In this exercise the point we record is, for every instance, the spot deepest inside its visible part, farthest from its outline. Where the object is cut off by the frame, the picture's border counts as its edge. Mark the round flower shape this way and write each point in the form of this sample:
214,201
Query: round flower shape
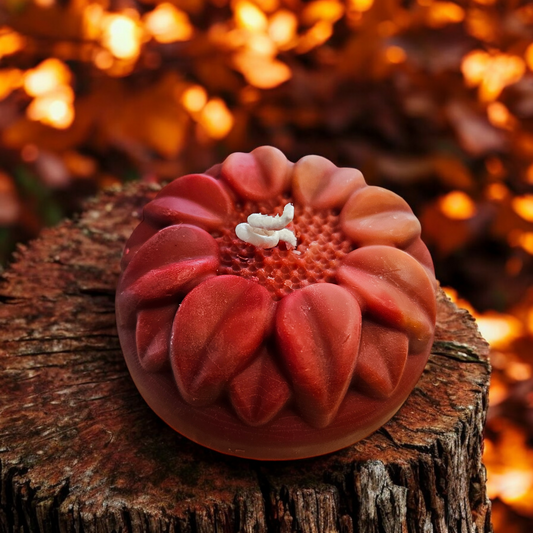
287,351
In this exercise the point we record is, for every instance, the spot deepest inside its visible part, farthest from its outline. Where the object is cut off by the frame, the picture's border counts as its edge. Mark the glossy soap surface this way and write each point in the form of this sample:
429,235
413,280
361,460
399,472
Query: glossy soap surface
276,353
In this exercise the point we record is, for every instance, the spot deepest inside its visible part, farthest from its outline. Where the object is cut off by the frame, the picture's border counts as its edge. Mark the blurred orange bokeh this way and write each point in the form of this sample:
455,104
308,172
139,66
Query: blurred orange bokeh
432,99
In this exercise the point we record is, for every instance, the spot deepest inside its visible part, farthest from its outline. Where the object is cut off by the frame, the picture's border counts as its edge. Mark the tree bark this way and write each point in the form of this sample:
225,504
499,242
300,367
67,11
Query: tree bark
80,451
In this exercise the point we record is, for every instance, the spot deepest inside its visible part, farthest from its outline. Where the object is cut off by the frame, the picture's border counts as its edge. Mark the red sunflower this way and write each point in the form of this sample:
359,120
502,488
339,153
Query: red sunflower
291,350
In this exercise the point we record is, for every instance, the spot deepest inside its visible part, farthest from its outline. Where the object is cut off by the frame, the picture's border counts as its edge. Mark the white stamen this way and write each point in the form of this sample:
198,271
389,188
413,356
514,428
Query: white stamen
257,220
246,233
265,231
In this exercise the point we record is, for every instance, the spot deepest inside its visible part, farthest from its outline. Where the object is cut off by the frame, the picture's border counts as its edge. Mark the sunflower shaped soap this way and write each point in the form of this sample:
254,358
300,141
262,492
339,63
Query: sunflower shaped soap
276,310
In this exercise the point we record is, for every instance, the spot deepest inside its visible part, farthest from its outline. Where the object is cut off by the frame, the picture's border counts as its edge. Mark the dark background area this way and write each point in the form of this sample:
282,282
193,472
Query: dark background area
432,99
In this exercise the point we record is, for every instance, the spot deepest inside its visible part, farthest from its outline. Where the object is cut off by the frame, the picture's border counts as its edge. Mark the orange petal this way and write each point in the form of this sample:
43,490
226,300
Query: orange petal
420,252
263,173
393,289
259,392
381,361
319,183
153,337
196,199
318,330
218,328
373,215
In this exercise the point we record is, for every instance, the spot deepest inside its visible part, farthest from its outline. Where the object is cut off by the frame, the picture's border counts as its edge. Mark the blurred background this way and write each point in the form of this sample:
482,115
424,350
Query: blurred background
432,99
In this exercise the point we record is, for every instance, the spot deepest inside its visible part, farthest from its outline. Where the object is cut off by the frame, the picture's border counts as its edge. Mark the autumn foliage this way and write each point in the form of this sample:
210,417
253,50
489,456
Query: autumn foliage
432,99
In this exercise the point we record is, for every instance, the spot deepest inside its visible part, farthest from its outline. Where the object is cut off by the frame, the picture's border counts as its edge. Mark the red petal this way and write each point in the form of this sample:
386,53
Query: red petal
318,329
197,199
171,280
153,337
373,215
140,235
263,173
214,171
171,261
394,289
381,361
319,183
259,392
218,328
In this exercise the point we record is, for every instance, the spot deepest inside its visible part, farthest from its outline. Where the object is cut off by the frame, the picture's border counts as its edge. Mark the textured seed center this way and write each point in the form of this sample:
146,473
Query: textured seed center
321,245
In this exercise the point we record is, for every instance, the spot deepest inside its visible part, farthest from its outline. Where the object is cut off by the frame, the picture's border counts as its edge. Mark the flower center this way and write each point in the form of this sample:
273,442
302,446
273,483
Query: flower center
321,245
266,231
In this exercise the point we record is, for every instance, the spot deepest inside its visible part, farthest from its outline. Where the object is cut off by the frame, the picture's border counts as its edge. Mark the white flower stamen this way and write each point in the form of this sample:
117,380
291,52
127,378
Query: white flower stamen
257,220
265,231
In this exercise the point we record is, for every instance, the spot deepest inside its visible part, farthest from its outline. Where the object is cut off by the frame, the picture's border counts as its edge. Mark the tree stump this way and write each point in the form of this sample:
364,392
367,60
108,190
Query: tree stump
80,451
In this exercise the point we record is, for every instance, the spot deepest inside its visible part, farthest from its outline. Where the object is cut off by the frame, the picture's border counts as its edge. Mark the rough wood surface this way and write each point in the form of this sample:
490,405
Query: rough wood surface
80,451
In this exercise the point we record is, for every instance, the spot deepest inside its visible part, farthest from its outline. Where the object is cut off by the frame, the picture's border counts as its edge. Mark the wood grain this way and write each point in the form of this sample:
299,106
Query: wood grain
81,452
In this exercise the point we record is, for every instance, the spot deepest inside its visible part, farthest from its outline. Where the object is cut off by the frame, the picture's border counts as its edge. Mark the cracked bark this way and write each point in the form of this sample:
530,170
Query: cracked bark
81,452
